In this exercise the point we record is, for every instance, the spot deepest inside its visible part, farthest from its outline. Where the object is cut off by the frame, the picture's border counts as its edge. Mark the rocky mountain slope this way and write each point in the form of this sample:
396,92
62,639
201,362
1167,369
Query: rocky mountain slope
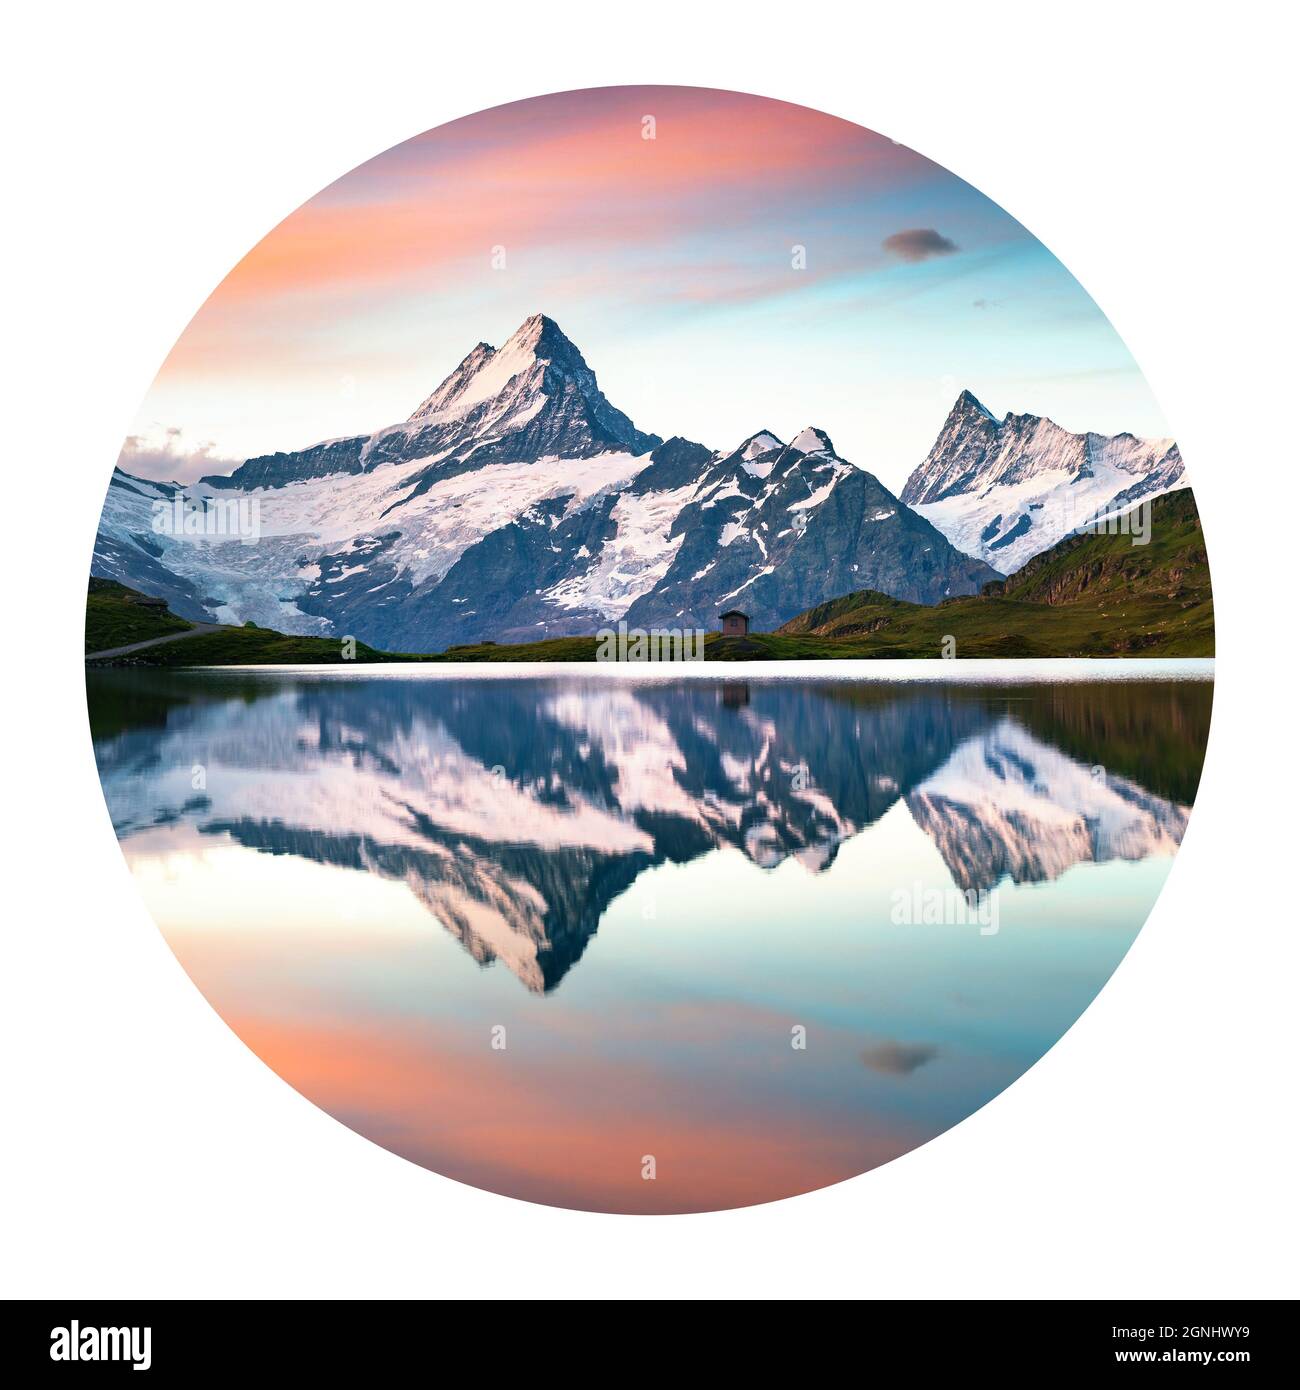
1172,563
1005,490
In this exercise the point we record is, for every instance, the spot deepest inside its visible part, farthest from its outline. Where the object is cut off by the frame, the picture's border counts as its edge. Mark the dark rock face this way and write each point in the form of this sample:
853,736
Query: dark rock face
954,463
1021,525
276,470
797,529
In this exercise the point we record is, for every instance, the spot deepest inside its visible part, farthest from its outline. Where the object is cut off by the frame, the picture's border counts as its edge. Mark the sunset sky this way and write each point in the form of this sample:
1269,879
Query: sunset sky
668,262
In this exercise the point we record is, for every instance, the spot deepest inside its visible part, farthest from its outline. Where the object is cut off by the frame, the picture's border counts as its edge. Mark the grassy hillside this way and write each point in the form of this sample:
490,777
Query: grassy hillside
553,649
1173,564
252,646
117,616
1087,596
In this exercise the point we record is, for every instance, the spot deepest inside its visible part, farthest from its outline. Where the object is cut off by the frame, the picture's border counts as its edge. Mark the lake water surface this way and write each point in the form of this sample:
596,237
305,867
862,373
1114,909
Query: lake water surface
647,943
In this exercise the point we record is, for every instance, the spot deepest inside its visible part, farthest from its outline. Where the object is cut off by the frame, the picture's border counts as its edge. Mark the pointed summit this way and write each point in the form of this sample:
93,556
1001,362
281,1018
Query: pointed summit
536,357
540,339
812,441
969,437
758,444
967,403
485,372
456,385
543,336
482,374
537,382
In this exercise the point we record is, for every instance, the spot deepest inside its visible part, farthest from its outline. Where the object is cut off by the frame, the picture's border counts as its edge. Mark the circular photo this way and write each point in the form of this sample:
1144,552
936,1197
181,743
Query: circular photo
649,650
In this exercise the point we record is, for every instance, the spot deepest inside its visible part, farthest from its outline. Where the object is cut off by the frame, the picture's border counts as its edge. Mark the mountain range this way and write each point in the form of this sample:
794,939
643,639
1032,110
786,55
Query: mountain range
516,503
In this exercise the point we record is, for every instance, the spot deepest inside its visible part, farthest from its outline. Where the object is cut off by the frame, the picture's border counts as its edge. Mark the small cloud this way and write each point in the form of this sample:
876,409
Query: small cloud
983,304
167,456
918,244
899,1059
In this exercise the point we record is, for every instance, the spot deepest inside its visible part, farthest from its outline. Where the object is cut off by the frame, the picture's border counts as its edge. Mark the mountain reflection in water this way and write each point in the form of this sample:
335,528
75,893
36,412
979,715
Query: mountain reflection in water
734,847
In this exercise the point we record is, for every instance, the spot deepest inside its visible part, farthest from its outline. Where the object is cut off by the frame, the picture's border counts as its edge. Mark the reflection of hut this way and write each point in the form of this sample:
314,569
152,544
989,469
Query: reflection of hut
735,695
735,623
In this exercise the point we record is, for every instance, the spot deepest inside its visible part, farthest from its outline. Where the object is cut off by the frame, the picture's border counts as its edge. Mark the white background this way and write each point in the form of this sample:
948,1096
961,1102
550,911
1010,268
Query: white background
146,1152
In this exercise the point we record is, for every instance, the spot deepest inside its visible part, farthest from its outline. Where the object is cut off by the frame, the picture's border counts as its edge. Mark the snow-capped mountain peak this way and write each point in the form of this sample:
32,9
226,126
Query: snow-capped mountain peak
1004,490
534,397
812,441
759,444
466,381
515,375
968,405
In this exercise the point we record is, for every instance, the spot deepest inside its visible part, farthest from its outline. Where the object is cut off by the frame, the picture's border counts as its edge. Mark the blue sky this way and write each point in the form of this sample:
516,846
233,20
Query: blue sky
669,263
